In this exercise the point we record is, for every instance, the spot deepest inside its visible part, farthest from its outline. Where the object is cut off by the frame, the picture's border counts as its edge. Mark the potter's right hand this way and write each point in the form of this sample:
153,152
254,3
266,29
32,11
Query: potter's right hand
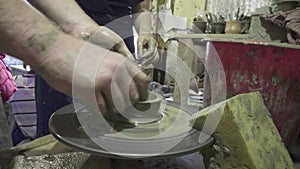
102,36
68,64
91,71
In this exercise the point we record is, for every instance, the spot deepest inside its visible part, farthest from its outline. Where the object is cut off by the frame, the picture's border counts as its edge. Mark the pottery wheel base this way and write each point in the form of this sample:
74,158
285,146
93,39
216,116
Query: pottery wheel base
131,141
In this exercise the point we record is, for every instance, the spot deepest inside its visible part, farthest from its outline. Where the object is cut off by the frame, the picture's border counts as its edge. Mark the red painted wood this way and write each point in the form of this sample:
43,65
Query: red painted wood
272,70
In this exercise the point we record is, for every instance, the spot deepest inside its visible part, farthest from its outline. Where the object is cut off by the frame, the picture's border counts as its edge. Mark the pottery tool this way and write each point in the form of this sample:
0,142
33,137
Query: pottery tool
237,14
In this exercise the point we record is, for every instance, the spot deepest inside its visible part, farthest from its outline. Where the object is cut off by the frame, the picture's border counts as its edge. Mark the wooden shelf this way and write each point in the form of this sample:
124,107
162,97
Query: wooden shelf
211,36
234,38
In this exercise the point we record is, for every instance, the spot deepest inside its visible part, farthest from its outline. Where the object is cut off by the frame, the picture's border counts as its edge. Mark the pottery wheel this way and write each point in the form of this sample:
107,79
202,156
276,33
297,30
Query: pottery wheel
172,132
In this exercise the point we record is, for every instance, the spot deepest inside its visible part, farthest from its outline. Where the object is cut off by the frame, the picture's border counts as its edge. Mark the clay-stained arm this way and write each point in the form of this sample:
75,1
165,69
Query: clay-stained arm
28,35
65,13
73,20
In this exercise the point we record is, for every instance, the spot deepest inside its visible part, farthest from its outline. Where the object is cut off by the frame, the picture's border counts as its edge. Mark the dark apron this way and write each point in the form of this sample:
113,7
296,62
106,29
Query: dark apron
104,12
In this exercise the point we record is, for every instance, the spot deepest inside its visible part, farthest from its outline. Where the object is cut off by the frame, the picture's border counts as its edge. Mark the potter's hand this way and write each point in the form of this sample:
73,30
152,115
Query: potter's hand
147,49
94,73
68,64
102,36
146,43
73,20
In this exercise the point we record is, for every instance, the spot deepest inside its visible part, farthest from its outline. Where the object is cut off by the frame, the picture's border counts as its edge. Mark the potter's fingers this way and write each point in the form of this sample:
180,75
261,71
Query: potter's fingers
140,80
116,98
142,86
152,60
143,91
152,43
121,48
101,103
149,56
140,47
128,86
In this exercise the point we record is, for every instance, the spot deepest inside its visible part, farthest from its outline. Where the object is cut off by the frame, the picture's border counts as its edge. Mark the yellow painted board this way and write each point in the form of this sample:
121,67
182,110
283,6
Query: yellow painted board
188,8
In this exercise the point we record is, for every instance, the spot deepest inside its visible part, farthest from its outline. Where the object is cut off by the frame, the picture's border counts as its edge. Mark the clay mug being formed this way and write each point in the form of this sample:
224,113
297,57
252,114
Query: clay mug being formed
233,27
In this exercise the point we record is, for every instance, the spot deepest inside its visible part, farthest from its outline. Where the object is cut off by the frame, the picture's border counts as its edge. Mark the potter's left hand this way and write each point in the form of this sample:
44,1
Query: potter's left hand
146,43
102,36
147,49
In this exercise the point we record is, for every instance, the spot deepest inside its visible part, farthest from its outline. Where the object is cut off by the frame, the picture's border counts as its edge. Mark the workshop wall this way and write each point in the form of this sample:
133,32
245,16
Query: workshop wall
189,8
221,7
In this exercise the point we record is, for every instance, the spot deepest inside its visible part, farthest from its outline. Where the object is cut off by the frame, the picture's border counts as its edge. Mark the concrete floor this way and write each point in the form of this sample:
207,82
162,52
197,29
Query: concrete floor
82,160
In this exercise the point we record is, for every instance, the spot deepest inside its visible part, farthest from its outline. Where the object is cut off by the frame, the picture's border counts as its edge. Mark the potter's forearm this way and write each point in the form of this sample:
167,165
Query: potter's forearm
21,28
27,34
66,13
